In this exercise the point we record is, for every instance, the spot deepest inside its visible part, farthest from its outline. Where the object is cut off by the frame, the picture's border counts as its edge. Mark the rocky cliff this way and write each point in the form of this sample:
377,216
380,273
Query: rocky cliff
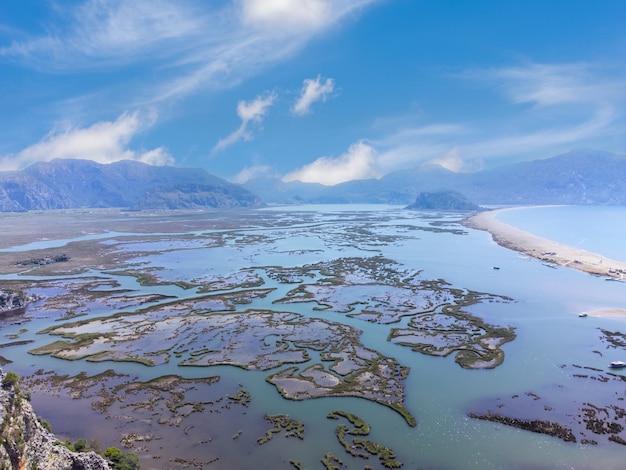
26,444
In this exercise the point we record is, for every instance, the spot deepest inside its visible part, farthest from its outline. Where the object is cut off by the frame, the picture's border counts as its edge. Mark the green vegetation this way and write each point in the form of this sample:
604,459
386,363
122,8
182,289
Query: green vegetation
242,396
43,261
359,447
149,279
476,343
292,427
120,460
81,445
46,425
10,379
332,462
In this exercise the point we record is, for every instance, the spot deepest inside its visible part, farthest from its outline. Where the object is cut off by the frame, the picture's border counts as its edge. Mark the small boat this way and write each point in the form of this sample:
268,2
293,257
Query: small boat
496,267
582,315
617,365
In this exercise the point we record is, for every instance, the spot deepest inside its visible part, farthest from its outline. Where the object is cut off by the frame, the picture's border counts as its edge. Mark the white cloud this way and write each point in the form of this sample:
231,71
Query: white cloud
553,84
472,150
313,90
559,138
251,172
100,33
249,111
287,14
193,45
450,160
155,52
571,105
412,146
103,142
255,109
359,162
157,157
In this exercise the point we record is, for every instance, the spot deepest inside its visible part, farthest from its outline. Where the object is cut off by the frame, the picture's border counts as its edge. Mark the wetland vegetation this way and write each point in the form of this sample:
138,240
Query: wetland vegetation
180,336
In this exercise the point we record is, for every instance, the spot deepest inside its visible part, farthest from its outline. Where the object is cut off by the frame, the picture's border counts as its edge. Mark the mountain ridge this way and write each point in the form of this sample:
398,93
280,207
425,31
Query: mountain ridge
581,176
70,184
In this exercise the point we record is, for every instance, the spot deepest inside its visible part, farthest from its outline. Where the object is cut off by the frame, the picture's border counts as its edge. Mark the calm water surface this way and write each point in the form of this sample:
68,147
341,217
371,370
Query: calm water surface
599,229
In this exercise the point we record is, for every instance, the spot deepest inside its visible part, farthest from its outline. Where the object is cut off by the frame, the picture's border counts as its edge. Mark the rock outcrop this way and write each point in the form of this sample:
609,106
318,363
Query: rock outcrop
442,200
25,442
11,301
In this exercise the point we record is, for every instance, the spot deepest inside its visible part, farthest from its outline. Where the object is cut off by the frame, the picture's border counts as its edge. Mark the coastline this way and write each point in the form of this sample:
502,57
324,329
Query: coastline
545,250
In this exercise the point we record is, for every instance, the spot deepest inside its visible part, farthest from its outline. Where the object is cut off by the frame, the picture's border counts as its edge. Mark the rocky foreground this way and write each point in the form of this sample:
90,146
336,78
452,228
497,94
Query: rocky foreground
26,443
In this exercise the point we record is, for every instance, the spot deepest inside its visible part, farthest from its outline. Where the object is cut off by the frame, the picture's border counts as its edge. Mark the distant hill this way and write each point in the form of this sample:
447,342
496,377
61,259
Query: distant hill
577,177
581,176
67,184
442,200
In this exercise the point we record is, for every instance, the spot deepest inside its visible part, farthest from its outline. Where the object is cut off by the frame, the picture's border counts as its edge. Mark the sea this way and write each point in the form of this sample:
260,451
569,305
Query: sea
598,229
545,307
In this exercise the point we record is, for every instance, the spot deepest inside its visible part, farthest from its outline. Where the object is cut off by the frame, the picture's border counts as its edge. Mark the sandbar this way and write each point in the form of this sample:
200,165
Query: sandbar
548,251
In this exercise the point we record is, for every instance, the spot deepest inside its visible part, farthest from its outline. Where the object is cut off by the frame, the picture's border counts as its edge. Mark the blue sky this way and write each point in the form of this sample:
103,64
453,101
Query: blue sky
315,90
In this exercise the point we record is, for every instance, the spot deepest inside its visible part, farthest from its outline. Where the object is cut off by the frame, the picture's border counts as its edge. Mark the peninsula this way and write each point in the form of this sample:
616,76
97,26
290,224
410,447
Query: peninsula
545,250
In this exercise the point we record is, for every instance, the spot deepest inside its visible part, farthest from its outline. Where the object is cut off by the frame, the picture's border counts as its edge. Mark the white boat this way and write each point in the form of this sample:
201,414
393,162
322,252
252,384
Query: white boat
617,365
582,315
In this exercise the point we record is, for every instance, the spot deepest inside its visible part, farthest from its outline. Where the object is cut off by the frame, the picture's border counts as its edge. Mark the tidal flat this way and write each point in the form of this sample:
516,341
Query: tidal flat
180,335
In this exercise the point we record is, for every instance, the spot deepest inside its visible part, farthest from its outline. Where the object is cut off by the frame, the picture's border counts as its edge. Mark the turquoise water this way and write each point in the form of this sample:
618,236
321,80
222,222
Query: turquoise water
439,393
599,229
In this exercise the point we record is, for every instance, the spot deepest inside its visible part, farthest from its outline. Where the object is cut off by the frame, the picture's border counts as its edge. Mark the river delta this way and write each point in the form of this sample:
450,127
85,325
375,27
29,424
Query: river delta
214,339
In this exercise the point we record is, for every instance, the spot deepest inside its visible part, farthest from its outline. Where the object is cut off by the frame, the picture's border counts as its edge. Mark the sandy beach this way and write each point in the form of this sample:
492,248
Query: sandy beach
545,250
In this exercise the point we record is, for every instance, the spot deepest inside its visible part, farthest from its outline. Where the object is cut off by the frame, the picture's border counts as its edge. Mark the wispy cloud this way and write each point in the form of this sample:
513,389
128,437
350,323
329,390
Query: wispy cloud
104,142
98,33
451,160
193,45
156,52
571,105
553,84
539,141
250,112
254,171
313,90
287,14
359,162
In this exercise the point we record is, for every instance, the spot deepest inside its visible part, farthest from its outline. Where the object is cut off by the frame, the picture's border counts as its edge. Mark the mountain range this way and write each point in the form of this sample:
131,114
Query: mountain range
581,176
67,184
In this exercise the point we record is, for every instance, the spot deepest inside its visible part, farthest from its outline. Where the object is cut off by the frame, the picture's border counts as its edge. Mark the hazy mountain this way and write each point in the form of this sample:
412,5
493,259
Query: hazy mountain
65,184
581,176
578,177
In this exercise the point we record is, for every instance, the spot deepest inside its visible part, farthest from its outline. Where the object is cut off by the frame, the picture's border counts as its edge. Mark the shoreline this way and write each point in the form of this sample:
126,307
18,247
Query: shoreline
545,250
